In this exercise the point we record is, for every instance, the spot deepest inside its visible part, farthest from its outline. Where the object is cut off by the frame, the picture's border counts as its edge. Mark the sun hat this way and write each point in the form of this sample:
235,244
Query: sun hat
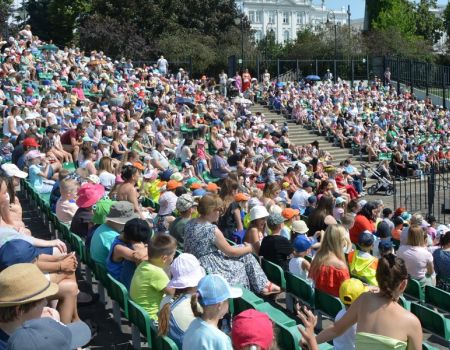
89,194
301,243
350,290
200,192
299,226
24,283
211,187
214,289
274,219
172,184
185,202
252,202
258,212
11,170
289,213
120,212
340,200
177,177
94,179
34,154
241,197
186,272
252,327
366,239
195,186
101,209
46,333
17,251
406,216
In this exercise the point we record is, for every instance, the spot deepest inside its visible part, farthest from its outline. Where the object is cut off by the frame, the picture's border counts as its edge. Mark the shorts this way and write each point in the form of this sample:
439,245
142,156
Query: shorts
45,250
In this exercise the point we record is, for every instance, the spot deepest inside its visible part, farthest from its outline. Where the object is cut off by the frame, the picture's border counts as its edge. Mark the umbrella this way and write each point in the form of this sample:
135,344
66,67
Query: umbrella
242,101
96,62
313,77
49,47
185,101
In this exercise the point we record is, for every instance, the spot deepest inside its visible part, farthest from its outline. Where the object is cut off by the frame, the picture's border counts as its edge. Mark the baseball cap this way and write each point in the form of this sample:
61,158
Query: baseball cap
17,251
34,154
301,243
366,239
200,192
385,246
275,219
241,197
299,226
46,333
212,187
289,213
406,216
195,186
214,289
340,200
186,272
172,184
312,199
30,142
185,202
350,290
11,170
252,327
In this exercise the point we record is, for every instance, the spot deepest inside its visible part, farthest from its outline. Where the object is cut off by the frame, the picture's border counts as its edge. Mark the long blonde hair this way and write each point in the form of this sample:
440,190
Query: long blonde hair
332,243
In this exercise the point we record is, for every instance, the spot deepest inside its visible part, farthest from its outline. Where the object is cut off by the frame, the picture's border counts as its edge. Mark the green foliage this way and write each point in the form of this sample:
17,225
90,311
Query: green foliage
397,14
5,10
429,26
447,18
269,48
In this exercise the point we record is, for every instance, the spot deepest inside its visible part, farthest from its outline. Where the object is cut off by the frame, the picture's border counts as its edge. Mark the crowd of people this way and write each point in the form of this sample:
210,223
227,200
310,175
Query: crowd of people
142,161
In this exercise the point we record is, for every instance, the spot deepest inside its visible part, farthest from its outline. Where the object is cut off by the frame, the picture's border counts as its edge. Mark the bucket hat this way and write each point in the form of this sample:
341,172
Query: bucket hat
258,212
89,194
121,212
186,272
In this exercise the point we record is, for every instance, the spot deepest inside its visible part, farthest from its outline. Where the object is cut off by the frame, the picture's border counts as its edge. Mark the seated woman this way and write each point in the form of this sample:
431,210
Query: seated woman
88,162
382,323
205,241
328,269
127,190
127,250
418,260
441,259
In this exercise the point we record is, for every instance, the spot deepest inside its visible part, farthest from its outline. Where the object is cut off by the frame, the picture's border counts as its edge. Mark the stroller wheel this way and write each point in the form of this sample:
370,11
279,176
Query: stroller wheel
390,191
372,190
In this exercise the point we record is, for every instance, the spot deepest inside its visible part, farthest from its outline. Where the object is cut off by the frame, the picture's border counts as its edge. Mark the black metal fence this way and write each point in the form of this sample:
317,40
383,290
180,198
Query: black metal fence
428,194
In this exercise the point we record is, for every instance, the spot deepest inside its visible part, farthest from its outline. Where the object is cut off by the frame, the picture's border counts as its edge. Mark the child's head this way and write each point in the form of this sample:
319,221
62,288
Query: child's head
302,245
385,247
340,202
366,240
275,222
290,214
350,290
347,221
387,213
136,231
398,222
161,249
312,201
68,188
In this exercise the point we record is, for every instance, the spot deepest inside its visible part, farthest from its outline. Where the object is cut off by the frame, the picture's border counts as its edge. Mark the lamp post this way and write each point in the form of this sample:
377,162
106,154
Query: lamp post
331,18
240,21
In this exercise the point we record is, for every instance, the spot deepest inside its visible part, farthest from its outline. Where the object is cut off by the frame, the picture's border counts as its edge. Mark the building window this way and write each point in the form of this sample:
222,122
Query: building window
271,17
300,18
285,17
251,16
286,36
258,36
257,17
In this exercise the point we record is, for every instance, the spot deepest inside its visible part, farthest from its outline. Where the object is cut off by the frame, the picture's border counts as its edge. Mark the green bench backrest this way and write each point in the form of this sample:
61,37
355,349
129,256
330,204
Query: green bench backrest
248,300
414,290
438,298
300,288
431,320
119,293
274,273
277,316
327,303
139,317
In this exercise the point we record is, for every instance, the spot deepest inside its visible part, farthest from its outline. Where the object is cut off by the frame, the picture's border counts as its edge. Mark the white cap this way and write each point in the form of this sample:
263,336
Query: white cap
186,272
12,170
258,212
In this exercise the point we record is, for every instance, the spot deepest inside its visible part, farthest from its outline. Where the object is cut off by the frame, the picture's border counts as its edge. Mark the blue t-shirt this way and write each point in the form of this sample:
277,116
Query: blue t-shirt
101,243
35,180
202,336
3,339
441,259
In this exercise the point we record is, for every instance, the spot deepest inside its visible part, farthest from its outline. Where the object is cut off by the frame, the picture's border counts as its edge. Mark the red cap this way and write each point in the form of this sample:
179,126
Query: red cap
212,187
30,142
252,327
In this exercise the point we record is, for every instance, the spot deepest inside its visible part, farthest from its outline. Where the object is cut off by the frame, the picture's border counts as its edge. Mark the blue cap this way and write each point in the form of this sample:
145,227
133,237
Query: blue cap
17,251
199,192
312,199
366,239
302,243
214,289
46,333
385,246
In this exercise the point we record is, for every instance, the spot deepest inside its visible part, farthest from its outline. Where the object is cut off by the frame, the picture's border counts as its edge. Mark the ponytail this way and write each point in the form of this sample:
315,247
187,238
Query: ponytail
196,307
163,320
391,271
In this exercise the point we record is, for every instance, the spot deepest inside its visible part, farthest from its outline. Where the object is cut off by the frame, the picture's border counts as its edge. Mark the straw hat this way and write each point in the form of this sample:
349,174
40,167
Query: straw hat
23,284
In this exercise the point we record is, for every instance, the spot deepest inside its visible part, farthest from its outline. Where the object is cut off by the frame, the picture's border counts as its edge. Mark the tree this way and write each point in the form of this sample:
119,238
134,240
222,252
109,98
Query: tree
429,26
5,11
398,14
447,19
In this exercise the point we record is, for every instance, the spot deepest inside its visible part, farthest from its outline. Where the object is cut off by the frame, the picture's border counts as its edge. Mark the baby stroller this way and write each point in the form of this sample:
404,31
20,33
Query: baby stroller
382,185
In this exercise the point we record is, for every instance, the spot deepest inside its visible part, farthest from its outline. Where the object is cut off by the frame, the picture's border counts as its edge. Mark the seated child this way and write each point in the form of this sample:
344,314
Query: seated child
127,250
275,247
298,265
349,291
39,171
66,206
6,149
361,262
311,205
149,282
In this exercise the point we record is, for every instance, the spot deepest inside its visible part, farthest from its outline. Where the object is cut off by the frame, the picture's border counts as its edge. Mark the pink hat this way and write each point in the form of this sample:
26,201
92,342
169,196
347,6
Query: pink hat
89,194
119,179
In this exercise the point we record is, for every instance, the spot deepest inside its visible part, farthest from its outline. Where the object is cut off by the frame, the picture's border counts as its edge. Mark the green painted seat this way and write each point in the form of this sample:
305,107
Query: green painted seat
414,290
208,178
327,304
274,273
140,320
77,245
161,343
437,298
277,316
300,288
432,320
69,166
248,300
404,303
119,294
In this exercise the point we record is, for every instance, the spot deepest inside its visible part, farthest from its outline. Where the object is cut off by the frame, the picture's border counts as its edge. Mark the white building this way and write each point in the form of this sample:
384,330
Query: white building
287,17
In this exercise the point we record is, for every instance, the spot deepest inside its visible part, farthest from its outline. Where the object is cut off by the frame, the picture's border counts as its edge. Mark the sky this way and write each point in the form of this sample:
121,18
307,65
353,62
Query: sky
356,6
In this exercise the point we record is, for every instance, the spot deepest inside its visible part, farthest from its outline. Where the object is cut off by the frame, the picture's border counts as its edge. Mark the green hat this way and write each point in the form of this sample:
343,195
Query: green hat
101,210
191,180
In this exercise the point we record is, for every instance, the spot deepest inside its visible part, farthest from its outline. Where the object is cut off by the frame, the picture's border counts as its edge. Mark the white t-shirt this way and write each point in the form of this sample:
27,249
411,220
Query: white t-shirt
300,199
416,260
107,179
295,267
161,158
347,340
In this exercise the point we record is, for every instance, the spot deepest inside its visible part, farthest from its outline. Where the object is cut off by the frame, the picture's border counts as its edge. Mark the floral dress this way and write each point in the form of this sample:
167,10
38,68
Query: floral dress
245,271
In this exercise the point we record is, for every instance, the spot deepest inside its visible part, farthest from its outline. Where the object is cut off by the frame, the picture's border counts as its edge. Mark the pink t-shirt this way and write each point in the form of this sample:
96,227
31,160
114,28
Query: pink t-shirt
416,260
65,210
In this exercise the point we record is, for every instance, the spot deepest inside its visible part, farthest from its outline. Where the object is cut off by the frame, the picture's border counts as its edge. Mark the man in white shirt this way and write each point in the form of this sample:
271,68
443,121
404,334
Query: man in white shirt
159,158
300,198
162,65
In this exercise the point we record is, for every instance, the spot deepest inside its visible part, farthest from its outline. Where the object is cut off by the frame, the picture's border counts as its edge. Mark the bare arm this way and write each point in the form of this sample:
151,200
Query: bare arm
237,218
415,338
225,247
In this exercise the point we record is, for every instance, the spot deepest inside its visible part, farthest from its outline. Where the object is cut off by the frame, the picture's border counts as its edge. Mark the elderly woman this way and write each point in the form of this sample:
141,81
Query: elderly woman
204,240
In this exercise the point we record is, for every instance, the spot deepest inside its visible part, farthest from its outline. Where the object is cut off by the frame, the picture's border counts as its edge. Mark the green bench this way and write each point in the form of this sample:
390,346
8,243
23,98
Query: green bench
298,288
432,320
274,273
414,290
437,298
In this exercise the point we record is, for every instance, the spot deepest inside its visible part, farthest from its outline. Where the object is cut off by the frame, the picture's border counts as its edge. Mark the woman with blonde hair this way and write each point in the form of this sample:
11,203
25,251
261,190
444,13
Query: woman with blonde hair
236,264
106,173
270,192
328,268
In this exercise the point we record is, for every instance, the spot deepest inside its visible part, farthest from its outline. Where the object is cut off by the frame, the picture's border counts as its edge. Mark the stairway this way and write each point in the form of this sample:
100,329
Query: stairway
302,136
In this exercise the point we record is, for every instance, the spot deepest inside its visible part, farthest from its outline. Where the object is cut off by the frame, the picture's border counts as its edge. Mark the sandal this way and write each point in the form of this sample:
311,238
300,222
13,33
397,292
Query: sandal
270,289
